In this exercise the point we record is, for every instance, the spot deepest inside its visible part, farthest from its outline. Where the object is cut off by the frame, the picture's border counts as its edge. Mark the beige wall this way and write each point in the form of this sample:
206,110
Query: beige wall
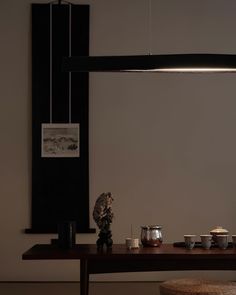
163,144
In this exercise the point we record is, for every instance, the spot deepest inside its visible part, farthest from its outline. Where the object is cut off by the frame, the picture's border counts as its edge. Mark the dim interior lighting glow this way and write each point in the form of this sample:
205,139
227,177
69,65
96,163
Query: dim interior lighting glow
188,70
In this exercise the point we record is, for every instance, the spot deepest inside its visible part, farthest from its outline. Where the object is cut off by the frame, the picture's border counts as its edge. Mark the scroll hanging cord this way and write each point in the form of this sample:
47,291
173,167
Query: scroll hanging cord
50,66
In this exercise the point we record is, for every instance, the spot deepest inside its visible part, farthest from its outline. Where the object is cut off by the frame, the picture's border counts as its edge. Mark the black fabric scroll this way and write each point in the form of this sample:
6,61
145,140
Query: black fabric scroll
60,186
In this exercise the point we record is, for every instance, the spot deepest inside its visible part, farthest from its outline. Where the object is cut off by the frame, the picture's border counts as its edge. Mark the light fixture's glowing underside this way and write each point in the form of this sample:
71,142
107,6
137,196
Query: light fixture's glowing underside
186,70
170,63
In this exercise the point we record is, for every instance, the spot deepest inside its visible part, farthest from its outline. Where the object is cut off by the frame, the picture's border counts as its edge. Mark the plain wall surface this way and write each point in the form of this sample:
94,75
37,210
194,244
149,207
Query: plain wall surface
163,144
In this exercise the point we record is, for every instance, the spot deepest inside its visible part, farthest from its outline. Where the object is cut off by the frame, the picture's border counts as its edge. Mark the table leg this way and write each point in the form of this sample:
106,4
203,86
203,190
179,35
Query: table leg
84,277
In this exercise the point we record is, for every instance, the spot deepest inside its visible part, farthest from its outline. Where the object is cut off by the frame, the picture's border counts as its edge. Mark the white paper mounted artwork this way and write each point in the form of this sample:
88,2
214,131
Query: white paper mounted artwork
60,141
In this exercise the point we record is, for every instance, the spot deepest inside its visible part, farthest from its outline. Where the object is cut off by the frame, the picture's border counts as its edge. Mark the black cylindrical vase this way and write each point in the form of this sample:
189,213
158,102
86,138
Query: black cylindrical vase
66,234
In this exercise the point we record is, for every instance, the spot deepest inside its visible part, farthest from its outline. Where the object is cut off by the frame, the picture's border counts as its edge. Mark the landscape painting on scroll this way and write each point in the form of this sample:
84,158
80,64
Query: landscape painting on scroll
60,141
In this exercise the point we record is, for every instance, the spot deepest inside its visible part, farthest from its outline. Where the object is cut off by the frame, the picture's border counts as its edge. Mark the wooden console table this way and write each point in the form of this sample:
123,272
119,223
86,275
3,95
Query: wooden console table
119,259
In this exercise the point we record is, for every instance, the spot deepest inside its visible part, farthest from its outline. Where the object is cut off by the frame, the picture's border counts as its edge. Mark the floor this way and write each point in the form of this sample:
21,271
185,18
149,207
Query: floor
64,288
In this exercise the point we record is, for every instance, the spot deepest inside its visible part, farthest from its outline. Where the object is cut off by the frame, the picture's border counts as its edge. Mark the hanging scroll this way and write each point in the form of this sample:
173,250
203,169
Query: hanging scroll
60,174
60,141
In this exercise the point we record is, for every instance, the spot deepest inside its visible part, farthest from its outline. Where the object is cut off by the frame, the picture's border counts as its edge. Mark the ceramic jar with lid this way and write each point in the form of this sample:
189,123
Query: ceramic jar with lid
219,230
151,235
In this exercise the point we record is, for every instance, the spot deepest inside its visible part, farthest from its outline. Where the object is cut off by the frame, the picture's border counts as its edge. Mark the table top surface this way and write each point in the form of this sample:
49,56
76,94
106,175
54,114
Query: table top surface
119,251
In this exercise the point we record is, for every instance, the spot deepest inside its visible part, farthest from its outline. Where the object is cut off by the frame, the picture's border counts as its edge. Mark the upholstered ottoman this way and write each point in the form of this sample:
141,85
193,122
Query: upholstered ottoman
194,286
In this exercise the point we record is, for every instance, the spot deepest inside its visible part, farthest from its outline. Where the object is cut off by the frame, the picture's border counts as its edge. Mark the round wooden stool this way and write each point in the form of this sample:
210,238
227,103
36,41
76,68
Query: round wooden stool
190,286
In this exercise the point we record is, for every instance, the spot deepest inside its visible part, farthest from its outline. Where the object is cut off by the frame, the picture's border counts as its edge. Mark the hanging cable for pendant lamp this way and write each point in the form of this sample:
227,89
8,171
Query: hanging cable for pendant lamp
171,63
150,26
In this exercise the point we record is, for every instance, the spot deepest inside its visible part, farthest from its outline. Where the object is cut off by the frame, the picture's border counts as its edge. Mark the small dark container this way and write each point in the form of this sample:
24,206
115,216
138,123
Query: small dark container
66,234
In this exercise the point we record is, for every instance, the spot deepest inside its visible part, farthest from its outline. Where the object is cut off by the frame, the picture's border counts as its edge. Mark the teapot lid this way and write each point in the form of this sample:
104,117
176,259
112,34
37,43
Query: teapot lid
151,227
219,229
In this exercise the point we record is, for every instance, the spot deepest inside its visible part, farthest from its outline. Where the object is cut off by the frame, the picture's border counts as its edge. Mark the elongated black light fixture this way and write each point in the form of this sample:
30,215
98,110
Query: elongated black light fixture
180,63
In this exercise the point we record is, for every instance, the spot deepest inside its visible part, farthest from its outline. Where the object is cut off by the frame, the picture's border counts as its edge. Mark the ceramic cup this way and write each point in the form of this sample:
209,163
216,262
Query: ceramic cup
206,241
222,241
189,241
132,243
234,240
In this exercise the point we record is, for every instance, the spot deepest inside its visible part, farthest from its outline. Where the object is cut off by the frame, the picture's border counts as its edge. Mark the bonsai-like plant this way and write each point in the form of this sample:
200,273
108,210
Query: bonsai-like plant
103,215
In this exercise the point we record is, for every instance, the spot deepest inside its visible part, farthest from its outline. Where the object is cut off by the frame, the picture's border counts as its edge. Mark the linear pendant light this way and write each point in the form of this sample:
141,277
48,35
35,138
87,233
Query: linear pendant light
180,63
190,63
